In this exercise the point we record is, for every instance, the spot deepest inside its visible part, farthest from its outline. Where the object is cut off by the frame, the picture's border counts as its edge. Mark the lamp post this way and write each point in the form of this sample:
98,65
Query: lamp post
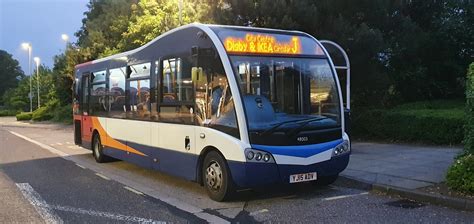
27,46
37,60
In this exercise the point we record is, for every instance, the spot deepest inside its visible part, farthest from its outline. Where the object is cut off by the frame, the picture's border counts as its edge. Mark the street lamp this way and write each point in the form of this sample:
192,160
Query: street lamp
65,37
27,46
37,60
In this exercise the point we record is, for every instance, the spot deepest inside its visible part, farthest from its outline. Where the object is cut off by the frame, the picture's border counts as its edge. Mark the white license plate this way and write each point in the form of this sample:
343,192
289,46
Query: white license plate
303,177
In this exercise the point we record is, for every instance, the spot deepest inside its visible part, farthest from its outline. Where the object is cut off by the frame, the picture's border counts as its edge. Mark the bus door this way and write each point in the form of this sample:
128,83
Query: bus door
176,116
86,122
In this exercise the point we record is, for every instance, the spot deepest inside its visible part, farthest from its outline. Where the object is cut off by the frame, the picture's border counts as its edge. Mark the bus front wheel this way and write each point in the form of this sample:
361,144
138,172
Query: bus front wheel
97,150
216,177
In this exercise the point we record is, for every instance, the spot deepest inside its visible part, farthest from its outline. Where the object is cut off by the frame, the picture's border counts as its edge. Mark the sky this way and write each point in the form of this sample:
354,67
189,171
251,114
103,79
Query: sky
40,22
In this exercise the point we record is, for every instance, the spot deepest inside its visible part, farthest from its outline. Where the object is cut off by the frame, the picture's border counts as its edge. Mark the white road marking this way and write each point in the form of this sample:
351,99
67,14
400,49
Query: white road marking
80,166
59,143
69,143
40,205
181,205
45,209
344,196
44,146
74,147
102,176
133,190
258,212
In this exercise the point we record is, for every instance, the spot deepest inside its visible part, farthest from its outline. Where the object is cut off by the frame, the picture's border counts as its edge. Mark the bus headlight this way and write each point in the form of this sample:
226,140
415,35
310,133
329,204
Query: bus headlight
250,155
258,156
266,158
341,149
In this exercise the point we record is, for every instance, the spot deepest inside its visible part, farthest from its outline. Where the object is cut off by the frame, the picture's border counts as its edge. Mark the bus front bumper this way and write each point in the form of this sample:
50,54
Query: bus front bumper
248,174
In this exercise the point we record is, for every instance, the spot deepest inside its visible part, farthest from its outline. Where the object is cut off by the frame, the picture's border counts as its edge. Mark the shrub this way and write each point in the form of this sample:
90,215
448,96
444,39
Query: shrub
42,114
469,133
460,175
5,113
63,114
24,116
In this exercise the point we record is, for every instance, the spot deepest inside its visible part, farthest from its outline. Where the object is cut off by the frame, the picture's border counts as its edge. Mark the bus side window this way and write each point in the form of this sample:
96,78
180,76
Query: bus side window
139,103
98,97
117,92
176,98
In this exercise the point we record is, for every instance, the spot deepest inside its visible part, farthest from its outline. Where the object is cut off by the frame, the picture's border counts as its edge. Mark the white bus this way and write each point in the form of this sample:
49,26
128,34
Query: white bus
228,107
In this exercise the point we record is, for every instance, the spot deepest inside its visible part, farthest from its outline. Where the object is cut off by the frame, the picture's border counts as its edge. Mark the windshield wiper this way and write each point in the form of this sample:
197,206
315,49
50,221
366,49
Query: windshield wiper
298,129
306,121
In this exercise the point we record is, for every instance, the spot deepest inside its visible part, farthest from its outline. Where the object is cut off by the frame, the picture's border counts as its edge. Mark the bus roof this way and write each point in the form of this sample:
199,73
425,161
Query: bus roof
213,27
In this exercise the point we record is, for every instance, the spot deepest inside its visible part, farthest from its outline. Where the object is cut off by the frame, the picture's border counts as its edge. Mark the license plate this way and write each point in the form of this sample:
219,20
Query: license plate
303,177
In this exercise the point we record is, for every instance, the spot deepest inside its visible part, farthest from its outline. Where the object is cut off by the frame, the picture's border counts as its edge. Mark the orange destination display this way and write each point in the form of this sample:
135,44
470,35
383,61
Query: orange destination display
262,43
237,41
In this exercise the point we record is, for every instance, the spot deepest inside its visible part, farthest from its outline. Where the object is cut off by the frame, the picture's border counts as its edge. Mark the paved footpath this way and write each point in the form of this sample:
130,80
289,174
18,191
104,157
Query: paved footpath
403,166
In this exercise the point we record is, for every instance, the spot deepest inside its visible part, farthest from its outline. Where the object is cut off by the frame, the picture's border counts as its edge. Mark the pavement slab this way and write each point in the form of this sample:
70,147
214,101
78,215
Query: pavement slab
404,166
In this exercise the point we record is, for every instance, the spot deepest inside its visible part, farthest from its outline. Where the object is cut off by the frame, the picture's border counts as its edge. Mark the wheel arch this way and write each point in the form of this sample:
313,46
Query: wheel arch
200,161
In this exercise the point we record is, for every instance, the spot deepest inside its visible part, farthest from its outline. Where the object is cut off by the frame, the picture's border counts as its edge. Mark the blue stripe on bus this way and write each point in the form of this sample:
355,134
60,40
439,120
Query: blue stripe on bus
172,162
303,151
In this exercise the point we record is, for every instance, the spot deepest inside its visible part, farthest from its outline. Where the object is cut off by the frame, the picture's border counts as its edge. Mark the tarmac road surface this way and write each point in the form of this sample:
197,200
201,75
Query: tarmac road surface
49,179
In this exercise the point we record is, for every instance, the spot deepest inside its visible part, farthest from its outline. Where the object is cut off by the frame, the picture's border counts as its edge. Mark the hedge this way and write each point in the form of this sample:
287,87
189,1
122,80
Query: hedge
5,113
24,116
460,175
42,114
439,122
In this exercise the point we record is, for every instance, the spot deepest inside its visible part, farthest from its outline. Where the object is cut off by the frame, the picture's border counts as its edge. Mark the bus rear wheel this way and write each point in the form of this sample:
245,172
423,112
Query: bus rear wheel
97,150
216,177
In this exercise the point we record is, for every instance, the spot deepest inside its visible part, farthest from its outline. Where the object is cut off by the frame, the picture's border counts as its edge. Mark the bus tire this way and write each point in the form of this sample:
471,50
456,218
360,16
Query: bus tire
216,177
97,150
325,180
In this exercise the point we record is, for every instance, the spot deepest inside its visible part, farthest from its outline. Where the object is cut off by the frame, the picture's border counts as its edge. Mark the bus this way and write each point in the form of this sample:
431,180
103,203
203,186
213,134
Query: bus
228,107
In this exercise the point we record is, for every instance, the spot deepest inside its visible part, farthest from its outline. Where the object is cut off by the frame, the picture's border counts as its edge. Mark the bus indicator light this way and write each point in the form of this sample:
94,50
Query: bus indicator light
262,44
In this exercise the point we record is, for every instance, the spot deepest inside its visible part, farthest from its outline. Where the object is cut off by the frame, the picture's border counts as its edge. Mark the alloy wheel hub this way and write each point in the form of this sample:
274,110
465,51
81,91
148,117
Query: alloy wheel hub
214,176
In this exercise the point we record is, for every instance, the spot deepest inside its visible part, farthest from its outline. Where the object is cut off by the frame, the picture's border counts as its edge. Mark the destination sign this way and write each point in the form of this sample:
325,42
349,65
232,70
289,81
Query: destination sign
270,43
262,43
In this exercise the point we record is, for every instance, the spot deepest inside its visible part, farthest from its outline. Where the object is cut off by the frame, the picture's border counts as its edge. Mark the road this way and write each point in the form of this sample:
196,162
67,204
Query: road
52,180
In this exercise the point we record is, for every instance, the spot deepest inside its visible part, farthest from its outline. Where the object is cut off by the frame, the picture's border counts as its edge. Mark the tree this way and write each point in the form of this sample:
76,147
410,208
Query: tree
10,73
17,98
63,76
46,86
150,18
103,26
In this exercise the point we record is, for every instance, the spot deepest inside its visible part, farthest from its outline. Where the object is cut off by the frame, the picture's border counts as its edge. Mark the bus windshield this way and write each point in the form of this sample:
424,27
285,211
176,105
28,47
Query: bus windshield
287,94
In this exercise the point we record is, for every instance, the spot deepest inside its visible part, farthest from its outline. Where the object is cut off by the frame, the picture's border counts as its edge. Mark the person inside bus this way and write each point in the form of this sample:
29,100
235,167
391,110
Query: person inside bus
143,108
215,99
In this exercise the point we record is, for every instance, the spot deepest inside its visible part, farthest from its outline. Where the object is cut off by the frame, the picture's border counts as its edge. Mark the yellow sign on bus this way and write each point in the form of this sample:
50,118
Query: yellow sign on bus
262,43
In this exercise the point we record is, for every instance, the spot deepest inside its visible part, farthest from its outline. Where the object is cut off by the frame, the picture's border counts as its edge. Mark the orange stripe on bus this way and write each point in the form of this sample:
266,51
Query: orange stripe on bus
110,142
